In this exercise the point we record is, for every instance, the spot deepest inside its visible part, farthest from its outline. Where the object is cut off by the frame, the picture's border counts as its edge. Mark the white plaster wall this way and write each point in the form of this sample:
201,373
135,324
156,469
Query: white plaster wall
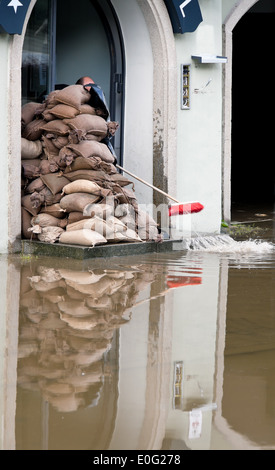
4,127
199,154
138,133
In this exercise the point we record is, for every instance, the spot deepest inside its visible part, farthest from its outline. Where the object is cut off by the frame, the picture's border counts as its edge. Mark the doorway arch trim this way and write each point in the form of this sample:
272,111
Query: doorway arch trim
234,16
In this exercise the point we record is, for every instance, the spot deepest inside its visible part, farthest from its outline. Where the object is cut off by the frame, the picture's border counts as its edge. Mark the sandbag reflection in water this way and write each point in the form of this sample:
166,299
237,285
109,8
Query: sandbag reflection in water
67,324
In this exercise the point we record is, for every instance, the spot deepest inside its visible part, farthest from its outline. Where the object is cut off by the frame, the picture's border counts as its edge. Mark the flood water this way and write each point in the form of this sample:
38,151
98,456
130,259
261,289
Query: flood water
171,351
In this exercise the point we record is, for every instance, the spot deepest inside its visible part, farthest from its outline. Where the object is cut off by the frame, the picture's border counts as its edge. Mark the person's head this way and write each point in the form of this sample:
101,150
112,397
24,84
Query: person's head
85,81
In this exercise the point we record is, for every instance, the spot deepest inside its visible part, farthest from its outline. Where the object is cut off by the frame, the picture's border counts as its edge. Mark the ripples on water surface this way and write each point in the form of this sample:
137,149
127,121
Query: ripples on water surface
158,352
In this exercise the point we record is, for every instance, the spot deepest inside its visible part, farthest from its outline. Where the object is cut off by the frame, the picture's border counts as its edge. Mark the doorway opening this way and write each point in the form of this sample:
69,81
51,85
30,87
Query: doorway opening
64,42
252,170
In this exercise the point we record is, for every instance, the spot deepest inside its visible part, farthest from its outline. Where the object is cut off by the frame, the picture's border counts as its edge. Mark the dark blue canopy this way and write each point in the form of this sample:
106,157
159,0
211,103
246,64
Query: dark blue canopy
185,15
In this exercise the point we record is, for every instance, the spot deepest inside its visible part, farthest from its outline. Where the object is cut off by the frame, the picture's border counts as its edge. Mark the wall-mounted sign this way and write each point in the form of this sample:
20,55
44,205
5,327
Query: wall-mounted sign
185,15
12,15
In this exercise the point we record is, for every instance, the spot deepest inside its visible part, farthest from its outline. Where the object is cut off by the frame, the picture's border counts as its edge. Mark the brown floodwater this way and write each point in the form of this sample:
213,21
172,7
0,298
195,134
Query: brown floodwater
169,351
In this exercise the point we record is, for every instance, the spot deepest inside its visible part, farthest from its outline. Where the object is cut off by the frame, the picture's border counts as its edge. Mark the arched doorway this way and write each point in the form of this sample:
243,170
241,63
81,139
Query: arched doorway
63,43
248,168
252,175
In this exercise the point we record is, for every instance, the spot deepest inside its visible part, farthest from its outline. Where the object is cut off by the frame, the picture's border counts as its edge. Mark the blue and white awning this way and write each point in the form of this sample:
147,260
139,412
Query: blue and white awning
185,15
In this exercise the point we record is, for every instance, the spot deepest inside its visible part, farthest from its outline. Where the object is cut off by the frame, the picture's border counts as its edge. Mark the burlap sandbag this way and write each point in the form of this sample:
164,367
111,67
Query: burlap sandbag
92,163
48,116
47,166
85,186
129,221
64,111
51,100
36,185
121,180
73,95
89,124
90,148
104,211
47,220
33,130
26,224
31,168
28,112
28,204
54,182
50,234
99,177
146,227
56,127
65,157
129,236
82,237
76,216
87,109
30,149
108,228
77,201
44,197
50,150
53,210
60,141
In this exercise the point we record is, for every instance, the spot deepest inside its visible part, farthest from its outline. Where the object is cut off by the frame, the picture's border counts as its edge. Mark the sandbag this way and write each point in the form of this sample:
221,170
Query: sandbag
53,210
50,150
75,216
26,218
28,112
31,168
60,141
51,100
91,175
90,148
30,149
56,127
54,182
36,185
64,111
47,166
88,124
85,186
27,203
73,95
43,197
121,180
33,130
124,209
82,237
87,109
104,211
107,228
77,201
47,115
50,234
146,227
47,220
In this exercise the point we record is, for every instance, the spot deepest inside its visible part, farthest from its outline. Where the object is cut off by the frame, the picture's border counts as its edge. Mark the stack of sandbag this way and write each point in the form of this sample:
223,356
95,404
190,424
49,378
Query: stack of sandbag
71,188
66,325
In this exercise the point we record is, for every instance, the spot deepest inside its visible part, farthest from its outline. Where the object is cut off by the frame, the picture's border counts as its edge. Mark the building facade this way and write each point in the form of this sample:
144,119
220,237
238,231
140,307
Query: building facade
171,90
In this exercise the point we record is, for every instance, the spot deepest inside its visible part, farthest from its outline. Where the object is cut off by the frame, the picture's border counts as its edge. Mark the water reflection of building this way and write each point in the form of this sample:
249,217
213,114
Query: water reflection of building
153,376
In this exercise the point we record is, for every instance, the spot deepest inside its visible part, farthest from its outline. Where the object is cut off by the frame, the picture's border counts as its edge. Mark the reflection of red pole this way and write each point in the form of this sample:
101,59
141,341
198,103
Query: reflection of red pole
180,281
